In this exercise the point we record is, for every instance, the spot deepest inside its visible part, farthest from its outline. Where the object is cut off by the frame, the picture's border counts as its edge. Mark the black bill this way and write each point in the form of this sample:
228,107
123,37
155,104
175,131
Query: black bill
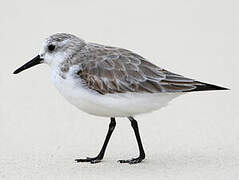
36,60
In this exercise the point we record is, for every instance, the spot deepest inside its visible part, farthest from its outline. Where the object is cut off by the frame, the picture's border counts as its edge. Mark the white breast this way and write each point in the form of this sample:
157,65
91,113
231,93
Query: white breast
109,105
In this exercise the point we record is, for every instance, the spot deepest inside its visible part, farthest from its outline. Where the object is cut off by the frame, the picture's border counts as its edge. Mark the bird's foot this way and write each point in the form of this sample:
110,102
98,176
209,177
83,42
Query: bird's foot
91,160
132,161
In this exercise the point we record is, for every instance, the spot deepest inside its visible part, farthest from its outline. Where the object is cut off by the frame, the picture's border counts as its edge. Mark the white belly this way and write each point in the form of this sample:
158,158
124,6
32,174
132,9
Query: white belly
110,105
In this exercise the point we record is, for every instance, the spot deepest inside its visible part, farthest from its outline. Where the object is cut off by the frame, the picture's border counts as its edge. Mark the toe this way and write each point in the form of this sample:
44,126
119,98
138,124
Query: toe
81,160
95,161
123,161
88,159
131,161
135,161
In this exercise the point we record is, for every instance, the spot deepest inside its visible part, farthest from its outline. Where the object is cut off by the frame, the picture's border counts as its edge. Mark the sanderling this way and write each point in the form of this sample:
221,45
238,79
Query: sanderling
110,82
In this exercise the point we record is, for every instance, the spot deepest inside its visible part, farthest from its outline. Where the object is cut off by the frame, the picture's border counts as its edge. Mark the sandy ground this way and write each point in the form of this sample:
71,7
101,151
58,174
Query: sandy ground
185,147
195,137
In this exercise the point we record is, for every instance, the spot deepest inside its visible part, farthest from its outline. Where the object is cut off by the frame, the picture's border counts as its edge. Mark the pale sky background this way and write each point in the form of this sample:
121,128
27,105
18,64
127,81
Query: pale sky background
195,137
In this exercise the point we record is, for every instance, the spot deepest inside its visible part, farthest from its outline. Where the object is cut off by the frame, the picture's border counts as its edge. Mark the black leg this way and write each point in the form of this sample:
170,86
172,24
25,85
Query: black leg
100,156
134,125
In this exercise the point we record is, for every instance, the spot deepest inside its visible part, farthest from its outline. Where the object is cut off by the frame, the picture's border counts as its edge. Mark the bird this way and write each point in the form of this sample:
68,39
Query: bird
110,82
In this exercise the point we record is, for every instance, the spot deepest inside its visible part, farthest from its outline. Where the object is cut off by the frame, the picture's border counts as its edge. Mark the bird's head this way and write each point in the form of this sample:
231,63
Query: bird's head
55,49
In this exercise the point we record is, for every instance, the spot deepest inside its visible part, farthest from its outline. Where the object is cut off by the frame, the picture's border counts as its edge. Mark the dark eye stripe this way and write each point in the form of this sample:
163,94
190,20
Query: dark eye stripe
51,47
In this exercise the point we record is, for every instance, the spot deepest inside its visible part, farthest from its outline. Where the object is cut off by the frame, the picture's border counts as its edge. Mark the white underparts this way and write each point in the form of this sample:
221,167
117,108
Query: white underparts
108,105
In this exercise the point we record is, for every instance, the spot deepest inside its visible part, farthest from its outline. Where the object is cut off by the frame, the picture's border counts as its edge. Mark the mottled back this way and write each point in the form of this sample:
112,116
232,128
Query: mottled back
114,70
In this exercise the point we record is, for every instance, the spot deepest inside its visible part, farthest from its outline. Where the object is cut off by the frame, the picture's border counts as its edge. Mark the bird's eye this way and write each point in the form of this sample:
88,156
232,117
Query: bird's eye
51,47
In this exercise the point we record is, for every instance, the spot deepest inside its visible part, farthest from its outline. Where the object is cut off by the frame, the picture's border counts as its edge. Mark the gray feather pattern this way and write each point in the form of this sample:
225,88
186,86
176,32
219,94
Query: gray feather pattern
114,70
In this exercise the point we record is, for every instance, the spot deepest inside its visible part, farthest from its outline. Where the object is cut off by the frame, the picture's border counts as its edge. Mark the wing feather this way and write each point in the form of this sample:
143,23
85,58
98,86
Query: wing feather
115,70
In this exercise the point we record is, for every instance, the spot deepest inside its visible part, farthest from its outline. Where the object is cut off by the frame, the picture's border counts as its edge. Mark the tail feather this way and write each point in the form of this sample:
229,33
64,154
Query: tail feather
208,87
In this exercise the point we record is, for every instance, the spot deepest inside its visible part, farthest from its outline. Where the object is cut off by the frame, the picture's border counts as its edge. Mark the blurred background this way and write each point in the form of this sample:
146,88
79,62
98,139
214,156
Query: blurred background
196,136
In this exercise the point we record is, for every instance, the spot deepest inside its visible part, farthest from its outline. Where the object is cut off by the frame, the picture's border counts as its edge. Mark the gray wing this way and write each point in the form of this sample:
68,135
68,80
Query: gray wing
114,70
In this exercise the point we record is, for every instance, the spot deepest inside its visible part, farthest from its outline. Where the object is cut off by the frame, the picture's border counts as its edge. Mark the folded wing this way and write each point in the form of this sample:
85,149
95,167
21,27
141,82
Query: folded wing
114,70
